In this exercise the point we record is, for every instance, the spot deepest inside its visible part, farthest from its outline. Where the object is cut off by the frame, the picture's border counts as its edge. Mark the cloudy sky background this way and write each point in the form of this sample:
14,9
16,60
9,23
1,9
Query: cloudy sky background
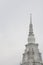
14,28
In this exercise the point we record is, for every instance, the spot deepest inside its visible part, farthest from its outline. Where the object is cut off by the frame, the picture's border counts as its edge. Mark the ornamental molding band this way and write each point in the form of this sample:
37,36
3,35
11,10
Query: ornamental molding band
31,56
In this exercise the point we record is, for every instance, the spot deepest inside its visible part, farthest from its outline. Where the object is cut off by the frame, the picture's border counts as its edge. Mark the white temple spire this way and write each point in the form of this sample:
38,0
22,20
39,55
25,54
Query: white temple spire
31,55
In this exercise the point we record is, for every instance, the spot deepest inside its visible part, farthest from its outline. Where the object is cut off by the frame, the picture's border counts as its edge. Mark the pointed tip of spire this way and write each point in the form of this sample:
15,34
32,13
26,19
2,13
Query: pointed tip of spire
30,18
31,38
30,13
31,26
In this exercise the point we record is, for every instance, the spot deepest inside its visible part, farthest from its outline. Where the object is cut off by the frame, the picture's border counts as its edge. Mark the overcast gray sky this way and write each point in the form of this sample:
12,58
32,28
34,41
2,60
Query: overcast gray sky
14,28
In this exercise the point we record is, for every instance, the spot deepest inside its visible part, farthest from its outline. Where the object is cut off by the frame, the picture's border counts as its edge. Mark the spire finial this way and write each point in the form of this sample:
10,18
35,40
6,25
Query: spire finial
31,26
31,38
30,18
